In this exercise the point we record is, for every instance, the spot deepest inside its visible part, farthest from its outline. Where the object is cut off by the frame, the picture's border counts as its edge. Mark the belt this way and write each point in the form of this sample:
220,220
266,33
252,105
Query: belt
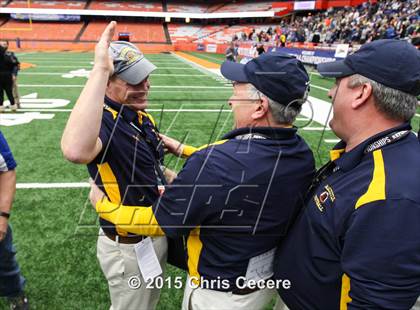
125,240
245,290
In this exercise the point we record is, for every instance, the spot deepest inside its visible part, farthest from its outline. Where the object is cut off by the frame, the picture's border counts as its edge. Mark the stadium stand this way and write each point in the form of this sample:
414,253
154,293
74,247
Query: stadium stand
242,32
36,4
243,6
190,33
146,6
184,6
44,31
139,32
355,25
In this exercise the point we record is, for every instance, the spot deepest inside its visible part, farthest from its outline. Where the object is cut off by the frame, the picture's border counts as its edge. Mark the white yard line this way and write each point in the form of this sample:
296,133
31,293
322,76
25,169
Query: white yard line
52,185
315,128
319,87
153,86
153,74
148,110
330,141
90,66
418,115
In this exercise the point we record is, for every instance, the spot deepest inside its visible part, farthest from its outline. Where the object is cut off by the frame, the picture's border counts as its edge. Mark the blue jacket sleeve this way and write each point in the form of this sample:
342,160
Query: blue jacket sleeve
7,162
185,203
381,255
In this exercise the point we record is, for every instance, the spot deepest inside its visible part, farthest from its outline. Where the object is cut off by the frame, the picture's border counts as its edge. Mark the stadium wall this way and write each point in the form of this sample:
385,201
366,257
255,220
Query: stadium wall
81,46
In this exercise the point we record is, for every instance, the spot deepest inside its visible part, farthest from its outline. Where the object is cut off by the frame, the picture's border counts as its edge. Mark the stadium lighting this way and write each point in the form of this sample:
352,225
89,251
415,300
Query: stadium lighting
168,19
187,20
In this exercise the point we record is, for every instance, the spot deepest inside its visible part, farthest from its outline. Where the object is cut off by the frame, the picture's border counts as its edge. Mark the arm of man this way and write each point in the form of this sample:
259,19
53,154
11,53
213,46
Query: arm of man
380,255
80,142
7,194
182,207
176,147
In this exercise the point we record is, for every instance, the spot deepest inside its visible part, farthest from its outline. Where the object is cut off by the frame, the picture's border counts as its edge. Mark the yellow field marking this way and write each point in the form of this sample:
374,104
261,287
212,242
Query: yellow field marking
205,63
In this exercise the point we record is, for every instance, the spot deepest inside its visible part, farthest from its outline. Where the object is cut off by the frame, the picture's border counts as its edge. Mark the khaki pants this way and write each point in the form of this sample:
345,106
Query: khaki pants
205,299
417,304
15,92
119,263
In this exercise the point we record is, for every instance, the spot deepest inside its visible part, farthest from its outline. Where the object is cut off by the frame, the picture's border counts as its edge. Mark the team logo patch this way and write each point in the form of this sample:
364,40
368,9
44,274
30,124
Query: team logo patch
323,197
321,200
130,55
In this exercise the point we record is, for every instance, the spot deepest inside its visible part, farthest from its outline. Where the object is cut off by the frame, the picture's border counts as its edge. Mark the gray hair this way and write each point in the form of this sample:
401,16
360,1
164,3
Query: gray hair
394,103
282,114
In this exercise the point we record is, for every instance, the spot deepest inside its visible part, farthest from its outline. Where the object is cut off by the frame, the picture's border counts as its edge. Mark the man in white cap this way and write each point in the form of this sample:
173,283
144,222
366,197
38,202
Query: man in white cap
119,142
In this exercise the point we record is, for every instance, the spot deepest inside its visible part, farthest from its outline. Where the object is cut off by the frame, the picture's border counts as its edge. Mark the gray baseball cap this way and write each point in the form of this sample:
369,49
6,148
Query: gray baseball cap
130,64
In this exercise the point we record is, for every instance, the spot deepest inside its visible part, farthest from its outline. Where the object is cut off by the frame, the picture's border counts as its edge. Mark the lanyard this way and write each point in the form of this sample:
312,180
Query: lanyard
249,136
160,177
161,180
391,138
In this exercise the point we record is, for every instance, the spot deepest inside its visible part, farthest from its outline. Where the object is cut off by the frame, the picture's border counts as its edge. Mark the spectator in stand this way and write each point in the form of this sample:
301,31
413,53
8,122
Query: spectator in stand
231,52
364,23
260,49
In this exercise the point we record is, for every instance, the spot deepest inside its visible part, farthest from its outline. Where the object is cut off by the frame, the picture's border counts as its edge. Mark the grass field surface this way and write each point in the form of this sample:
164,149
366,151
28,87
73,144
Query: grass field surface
55,229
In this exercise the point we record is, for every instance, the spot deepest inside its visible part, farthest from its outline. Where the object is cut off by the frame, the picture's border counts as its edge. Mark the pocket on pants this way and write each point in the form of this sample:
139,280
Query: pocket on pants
111,261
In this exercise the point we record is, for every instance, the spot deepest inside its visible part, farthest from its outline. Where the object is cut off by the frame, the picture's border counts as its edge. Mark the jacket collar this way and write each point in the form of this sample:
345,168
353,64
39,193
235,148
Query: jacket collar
268,132
124,110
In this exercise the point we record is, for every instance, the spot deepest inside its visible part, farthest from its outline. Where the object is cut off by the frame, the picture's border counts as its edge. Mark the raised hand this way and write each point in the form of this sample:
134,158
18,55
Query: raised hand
102,59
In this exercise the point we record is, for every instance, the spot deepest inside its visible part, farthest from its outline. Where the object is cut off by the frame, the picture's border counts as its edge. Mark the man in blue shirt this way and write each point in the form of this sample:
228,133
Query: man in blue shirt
119,142
11,281
356,244
234,199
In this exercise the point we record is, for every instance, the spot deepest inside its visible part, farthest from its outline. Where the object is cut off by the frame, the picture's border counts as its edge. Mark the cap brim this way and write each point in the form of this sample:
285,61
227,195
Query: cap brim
137,72
334,69
234,71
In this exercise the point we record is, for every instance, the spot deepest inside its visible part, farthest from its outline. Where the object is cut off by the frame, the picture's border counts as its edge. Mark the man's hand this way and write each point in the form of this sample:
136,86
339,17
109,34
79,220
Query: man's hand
103,60
171,145
169,175
3,227
95,194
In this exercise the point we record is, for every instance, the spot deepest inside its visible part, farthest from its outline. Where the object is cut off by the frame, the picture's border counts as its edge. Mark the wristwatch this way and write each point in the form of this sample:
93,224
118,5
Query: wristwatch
4,214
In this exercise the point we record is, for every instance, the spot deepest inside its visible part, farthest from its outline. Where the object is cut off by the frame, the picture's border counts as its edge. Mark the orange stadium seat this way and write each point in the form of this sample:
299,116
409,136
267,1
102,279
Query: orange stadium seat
61,4
242,6
147,6
40,30
189,33
139,32
187,7
226,34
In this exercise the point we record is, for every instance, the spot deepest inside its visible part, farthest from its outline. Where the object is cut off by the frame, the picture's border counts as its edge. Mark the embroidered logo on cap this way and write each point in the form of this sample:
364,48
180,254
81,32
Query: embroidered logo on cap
130,55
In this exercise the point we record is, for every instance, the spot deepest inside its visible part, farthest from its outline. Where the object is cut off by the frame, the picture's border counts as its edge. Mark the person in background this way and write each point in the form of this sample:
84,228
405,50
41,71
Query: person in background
11,281
9,65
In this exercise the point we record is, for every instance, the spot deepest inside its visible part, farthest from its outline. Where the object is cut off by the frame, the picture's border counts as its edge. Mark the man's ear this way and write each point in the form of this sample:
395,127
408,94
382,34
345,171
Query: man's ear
362,95
261,109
